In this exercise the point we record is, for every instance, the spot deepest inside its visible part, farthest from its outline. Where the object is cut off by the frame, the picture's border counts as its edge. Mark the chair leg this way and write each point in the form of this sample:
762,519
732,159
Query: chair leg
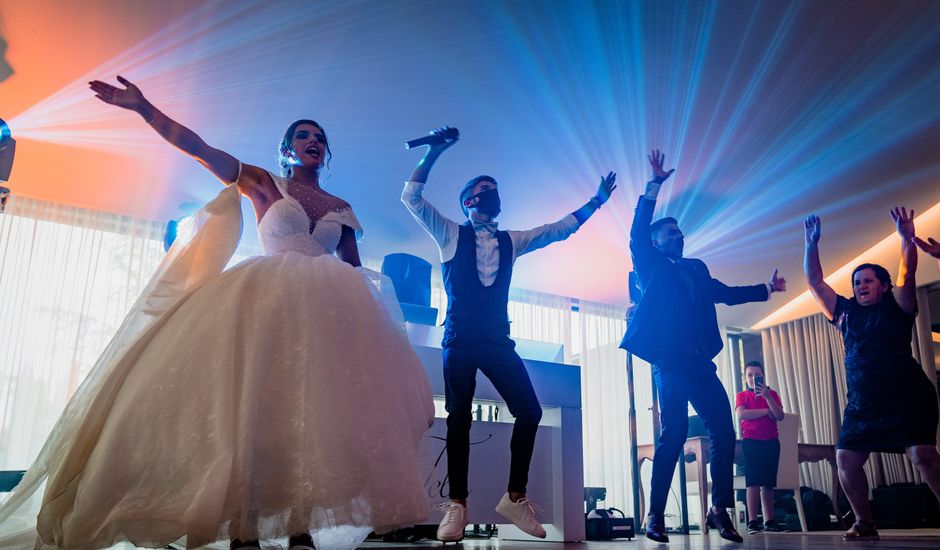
703,488
799,509
701,458
642,492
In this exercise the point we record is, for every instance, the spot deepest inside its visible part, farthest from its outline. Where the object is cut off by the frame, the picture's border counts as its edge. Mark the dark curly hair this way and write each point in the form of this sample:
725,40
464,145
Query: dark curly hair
880,272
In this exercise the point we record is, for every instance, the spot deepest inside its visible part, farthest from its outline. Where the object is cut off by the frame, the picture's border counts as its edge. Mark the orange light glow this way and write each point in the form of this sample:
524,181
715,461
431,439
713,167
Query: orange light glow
886,253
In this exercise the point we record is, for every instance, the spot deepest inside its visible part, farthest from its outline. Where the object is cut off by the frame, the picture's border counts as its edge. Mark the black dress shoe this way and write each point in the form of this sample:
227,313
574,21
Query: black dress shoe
722,522
302,540
656,528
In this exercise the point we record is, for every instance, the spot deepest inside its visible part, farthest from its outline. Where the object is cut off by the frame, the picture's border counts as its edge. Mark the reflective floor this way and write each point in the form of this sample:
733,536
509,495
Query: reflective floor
890,539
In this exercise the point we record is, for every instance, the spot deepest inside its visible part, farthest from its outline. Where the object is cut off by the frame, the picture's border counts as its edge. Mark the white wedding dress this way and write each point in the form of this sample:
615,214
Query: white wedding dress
278,396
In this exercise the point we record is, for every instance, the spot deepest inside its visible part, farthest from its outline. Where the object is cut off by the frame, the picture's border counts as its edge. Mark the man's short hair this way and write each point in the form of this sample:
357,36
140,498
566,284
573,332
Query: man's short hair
756,364
467,190
655,226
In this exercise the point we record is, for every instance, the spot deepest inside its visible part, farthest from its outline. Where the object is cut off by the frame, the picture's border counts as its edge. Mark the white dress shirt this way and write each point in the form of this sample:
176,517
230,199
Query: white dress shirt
445,231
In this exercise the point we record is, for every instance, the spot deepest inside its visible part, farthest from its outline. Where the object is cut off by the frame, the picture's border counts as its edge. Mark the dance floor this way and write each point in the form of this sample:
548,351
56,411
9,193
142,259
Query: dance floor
890,539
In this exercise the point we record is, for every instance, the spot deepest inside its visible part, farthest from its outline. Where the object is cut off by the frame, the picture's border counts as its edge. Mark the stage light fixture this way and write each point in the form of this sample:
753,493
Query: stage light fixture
4,133
7,148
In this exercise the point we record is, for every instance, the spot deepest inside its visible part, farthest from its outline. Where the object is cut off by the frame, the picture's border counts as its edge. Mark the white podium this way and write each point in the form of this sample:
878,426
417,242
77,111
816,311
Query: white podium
556,476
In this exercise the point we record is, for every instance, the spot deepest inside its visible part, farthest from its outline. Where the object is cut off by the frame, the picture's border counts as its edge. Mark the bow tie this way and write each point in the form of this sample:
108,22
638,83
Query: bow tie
489,227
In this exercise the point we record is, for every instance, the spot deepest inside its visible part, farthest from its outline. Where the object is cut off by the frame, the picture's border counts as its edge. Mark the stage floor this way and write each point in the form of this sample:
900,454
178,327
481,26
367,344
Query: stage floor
821,540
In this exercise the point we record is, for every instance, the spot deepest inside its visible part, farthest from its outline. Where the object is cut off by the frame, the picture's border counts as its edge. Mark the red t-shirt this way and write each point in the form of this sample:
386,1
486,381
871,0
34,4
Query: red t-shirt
763,428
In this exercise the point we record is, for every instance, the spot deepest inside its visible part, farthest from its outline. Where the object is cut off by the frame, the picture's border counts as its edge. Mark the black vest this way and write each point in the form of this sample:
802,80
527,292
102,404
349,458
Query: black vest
475,311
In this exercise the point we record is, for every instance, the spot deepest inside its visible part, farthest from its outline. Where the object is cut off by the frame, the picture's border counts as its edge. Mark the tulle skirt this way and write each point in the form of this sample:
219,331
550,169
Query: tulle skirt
281,396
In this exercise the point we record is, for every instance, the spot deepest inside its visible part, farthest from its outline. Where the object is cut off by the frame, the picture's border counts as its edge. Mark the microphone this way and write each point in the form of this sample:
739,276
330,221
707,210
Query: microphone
448,134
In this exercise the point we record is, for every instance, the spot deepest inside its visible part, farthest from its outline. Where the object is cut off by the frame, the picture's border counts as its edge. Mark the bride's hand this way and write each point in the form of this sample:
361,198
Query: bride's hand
129,98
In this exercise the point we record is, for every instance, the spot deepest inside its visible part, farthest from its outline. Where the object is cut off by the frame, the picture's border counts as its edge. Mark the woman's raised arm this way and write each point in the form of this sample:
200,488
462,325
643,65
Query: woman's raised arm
223,165
905,292
822,292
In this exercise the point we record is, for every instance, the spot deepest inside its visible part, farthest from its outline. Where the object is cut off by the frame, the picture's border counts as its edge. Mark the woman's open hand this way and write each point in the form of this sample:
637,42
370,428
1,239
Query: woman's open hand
129,98
812,226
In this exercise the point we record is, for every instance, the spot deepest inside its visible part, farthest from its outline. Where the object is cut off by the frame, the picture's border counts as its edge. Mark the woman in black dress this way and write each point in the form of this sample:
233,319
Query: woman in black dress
892,405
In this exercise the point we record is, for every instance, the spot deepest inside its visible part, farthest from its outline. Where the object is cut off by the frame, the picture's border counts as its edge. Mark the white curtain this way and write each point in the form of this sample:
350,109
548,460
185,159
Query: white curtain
605,403
799,358
725,370
542,317
805,359
68,276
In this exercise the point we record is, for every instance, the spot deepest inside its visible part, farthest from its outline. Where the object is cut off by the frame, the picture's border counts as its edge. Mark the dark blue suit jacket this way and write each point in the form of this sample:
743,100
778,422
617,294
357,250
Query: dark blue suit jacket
675,312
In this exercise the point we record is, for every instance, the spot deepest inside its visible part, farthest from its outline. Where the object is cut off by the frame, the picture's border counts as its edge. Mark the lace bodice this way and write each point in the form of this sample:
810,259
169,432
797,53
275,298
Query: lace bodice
286,225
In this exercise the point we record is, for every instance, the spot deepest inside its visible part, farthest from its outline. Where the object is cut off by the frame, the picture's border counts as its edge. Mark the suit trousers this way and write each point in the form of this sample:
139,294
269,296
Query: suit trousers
681,381
500,363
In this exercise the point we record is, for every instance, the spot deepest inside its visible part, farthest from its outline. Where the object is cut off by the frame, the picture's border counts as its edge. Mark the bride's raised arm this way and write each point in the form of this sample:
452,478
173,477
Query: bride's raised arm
223,165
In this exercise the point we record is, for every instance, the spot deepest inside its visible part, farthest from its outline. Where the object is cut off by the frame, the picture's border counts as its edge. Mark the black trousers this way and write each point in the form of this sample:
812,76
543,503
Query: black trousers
502,365
680,383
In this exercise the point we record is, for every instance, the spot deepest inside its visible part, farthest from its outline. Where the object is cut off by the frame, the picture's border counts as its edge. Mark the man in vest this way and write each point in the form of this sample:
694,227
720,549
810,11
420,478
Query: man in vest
674,327
477,260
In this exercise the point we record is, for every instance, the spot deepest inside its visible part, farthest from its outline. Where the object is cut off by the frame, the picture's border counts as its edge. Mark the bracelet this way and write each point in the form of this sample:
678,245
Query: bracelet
152,114
596,202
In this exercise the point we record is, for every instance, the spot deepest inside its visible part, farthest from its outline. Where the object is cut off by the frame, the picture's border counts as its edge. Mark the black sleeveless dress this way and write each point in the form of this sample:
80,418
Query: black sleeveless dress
891,404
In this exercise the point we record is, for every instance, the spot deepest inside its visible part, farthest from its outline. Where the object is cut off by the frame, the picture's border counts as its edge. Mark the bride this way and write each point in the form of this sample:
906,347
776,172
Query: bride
265,401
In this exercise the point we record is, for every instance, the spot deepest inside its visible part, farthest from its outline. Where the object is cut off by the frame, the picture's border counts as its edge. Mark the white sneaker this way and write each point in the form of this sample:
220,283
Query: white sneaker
521,514
454,522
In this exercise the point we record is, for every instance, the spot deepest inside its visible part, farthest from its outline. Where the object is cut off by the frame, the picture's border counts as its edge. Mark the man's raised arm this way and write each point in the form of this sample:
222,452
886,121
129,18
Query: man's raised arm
442,229
641,240
539,237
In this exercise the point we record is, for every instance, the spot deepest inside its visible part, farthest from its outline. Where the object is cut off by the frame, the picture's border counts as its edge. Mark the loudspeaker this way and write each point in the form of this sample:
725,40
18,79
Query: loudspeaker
169,236
905,506
411,276
10,479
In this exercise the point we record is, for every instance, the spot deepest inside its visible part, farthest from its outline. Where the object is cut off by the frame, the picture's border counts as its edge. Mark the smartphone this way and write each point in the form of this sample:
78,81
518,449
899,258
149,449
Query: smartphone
758,382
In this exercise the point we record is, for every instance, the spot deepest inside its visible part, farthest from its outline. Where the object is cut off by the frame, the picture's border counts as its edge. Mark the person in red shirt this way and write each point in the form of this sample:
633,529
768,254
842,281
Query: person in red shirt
759,409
